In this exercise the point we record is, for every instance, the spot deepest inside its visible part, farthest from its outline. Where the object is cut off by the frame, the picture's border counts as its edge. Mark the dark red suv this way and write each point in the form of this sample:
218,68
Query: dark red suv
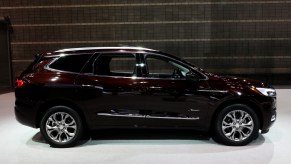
70,90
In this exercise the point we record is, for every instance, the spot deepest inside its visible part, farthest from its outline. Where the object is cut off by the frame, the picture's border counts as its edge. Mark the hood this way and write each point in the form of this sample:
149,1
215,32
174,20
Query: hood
236,81
233,83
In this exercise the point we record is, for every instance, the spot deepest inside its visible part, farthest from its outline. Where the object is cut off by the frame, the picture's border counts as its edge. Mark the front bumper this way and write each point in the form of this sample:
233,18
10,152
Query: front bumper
269,114
268,125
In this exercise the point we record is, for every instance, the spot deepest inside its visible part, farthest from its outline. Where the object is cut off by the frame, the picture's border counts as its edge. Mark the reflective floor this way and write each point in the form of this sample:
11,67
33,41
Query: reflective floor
21,144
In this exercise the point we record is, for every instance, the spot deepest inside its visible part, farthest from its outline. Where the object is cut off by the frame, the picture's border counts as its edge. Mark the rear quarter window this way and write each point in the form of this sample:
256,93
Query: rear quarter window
71,63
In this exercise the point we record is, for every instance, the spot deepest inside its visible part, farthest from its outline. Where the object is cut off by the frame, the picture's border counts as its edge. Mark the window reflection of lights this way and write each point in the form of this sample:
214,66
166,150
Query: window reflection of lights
55,79
140,65
61,55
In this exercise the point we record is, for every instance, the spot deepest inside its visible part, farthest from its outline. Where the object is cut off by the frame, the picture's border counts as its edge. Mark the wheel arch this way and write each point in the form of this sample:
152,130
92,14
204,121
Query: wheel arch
59,102
253,105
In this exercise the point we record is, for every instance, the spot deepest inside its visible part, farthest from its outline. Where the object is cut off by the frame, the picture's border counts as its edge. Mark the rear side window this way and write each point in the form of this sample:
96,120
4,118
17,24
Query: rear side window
122,64
115,65
71,63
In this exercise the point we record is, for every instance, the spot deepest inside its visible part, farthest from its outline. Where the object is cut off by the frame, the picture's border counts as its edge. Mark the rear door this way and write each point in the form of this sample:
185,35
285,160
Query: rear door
110,92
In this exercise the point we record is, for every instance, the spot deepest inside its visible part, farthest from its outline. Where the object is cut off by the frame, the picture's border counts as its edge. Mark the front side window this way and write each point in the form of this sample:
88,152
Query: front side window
115,65
71,63
161,67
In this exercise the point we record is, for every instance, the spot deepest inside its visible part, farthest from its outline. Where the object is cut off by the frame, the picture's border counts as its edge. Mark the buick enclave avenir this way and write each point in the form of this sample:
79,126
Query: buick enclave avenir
69,91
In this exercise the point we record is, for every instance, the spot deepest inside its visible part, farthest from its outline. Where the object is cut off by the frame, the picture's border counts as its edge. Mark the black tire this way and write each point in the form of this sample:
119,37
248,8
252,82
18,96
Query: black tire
234,132
72,124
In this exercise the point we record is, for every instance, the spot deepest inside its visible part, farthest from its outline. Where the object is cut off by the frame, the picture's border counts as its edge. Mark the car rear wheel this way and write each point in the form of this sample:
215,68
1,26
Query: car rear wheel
236,125
61,126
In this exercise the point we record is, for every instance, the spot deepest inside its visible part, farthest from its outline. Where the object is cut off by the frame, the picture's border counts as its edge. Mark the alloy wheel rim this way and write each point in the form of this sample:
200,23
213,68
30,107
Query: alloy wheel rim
237,125
61,127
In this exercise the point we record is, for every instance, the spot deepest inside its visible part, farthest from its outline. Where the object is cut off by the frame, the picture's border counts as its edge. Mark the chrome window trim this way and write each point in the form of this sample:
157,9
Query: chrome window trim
47,67
132,77
92,74
67,54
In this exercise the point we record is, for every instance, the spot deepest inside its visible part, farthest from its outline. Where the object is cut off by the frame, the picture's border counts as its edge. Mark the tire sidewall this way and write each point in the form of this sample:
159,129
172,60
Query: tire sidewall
220,137
71,112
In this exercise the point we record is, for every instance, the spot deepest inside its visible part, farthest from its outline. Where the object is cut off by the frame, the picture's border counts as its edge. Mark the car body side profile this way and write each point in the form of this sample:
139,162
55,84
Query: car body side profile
69,91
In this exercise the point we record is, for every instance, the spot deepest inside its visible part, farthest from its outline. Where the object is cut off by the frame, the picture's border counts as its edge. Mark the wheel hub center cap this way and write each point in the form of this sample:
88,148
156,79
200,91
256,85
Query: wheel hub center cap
61,127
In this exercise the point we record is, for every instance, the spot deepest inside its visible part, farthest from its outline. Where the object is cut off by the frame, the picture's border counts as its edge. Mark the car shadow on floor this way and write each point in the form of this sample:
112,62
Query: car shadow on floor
137,134
144,136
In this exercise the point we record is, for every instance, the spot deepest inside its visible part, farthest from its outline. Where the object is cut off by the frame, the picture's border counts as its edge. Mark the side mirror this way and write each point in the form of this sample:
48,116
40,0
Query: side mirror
192,76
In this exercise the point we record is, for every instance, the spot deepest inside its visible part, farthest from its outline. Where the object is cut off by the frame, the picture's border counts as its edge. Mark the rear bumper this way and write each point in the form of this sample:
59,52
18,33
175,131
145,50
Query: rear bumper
25,108
25,116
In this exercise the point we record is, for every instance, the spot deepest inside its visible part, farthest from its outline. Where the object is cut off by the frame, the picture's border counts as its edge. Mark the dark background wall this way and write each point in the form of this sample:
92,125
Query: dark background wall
5,68
250,38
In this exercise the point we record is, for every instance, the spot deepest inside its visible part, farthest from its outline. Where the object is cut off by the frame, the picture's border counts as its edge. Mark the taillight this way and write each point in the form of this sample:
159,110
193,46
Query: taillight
19,83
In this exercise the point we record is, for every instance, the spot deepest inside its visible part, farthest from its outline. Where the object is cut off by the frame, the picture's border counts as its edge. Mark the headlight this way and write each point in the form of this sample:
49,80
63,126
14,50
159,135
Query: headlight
265,91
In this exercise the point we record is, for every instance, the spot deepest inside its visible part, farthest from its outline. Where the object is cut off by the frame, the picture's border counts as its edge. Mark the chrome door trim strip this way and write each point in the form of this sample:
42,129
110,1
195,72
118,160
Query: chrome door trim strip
194,110
206,90
147,116
173,118
120,115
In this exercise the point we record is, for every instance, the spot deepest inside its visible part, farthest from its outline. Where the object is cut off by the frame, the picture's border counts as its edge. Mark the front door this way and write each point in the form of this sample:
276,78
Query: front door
169,99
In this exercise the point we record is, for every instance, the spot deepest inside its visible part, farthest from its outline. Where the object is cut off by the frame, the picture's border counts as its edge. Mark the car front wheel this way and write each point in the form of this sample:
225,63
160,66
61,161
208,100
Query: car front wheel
236,125
61,126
